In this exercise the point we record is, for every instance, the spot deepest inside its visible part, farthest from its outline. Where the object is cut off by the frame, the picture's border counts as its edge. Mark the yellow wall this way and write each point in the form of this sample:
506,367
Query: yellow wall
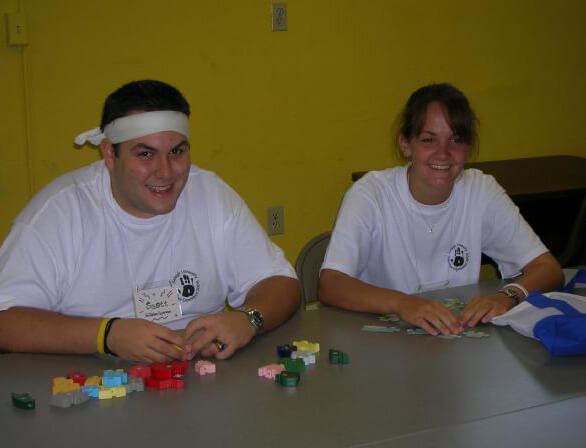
286,117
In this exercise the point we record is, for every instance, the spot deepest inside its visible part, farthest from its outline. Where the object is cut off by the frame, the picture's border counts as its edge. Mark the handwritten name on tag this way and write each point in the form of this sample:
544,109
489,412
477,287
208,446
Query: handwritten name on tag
158,305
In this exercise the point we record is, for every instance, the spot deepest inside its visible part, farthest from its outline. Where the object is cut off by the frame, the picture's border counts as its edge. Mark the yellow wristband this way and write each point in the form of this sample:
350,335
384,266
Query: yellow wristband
100,336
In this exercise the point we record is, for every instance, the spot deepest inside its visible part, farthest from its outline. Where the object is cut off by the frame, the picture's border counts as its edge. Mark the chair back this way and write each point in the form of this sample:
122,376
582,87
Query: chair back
309,263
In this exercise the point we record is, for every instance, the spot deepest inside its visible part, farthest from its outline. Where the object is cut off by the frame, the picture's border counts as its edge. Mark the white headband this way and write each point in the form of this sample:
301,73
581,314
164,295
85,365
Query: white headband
137,125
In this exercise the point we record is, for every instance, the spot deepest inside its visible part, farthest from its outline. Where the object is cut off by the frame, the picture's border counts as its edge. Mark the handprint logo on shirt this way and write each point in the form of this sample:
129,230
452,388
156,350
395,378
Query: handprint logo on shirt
187,284
458,258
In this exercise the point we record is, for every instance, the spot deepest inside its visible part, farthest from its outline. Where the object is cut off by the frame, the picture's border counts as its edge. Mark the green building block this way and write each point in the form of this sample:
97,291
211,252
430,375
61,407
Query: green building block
23,401
287,379
338,357
293,365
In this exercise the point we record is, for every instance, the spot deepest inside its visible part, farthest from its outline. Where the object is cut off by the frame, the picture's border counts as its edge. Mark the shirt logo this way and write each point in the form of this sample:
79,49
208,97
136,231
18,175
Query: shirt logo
458,257
187,284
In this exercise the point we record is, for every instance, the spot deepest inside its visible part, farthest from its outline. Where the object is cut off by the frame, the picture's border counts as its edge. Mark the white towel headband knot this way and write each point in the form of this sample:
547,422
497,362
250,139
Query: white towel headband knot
137,125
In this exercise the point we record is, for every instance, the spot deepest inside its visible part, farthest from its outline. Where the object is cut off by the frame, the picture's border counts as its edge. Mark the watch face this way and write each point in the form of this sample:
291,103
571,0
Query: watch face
256,319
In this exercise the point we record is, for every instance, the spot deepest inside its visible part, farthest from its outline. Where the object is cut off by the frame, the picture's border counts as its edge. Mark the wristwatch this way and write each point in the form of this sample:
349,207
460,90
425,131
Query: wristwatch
511,293
254,317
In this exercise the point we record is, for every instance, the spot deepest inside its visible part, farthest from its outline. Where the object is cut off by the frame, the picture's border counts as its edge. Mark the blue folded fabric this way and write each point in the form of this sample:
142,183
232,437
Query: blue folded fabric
557,319
579,277
563,334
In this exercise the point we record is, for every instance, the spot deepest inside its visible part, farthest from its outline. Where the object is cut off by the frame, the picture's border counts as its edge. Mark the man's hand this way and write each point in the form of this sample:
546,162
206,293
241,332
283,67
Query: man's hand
484,308
144,341
430,315
231,328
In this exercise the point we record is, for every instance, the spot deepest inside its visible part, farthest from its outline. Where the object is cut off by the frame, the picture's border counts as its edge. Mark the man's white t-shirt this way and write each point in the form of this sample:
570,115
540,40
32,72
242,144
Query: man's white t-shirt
73,250
387,239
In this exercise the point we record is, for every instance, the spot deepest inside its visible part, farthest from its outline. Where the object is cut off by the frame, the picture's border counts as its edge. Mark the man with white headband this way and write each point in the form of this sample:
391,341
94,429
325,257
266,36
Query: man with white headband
115,256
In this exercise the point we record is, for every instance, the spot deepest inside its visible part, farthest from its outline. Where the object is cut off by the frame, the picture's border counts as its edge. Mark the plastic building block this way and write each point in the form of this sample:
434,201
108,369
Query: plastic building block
157,383
118,391
161,371
79,397
134,385
306,346
293,365
62,384
137,384
416,331
178,383
67,399
179,367
93,381
287,379
114,378
284,351
23,400
105,393
307,357
338,357
77,377
449,336
92,390
270,371
61,400
204,367
139,371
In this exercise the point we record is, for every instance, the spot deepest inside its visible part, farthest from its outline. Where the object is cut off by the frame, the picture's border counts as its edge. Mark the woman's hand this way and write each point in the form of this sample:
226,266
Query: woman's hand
484,308
432,316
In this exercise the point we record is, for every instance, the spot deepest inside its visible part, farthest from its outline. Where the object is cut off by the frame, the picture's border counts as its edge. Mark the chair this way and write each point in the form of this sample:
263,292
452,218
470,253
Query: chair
308,265
575,252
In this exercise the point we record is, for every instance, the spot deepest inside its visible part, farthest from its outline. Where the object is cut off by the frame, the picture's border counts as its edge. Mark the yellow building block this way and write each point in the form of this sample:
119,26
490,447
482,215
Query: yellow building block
306,346
118,391
93,381
61,384
105,393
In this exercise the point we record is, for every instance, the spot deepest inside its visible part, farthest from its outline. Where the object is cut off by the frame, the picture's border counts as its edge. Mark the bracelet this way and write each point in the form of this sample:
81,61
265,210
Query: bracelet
100,335
106,333
518,286
511,294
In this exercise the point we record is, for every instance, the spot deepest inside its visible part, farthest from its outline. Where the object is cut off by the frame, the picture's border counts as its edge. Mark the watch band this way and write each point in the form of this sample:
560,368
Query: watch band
511,293
254,317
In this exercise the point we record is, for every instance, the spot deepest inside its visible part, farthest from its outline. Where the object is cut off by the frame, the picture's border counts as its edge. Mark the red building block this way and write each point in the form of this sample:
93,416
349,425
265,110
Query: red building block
161,371
77,377
179,367
139,371
155,383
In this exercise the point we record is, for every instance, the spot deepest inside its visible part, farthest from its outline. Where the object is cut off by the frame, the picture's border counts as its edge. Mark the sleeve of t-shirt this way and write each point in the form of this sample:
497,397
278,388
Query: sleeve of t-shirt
29,273
352,237
506,236
249,255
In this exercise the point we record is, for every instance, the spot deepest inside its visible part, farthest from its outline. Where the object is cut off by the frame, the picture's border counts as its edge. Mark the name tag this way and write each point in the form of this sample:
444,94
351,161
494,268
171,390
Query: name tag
159,305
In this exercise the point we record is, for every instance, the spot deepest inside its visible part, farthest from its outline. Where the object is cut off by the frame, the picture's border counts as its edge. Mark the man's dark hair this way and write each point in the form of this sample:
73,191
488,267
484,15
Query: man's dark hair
460,116
147,96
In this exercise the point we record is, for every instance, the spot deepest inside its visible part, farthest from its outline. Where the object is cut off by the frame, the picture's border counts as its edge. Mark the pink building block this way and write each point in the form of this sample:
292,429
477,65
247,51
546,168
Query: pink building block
204,367
270,371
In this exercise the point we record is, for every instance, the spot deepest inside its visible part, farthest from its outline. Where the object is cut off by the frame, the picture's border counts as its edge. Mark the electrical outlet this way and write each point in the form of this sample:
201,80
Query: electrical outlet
17,32
279,16
276,220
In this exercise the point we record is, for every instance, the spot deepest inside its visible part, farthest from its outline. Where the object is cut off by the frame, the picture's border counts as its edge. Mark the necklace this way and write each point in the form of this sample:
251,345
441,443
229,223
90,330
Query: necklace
420,212
419,276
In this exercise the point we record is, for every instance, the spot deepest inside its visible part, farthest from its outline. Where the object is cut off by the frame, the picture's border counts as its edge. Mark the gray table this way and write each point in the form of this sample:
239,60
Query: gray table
399,390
